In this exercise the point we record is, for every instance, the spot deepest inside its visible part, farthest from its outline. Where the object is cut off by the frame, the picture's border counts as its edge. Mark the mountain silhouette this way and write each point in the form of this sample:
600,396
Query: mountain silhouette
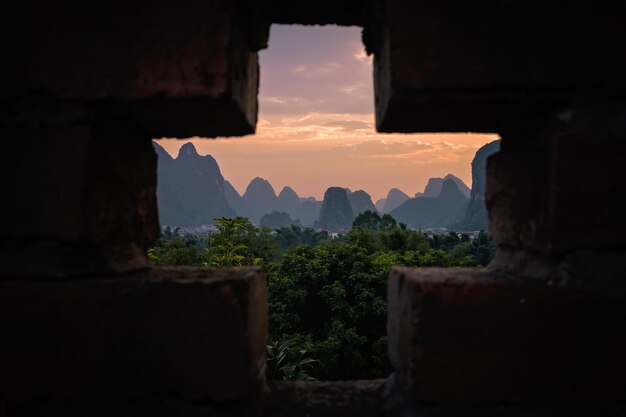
336,212
394,198
260,199
235,201
433,188
191,191
360,202
190,188
276,220
476,217
380,204
309,212
288,201
432,213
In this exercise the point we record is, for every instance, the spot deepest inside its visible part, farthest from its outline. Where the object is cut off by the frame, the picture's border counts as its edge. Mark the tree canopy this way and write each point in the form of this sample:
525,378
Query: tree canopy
327,296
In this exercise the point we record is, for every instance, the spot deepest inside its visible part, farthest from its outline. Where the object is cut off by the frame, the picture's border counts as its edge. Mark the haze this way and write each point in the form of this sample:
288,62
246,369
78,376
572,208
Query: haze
316,125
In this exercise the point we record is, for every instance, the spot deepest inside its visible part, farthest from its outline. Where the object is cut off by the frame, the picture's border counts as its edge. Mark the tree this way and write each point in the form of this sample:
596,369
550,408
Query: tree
327,297
287,362
332,300
372,221
485,250
387,223
177,252
276,219
367,220
292,236
226,248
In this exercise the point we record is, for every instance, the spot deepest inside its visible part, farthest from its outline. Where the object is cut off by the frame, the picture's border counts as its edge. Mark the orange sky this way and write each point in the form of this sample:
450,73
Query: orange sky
316,125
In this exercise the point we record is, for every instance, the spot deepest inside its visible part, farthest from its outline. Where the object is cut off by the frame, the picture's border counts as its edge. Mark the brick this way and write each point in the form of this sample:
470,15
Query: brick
326,398
192,334
474,336
82,197
457,66
586,179
552,189
517,198
178,70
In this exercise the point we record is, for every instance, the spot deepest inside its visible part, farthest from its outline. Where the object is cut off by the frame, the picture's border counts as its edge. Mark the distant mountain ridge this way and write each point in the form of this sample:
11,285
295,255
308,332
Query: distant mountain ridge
178,182
235,201
380,204
434,185
191,191
476,217
360,202
260,199
394,198
288,201
442,211
336,212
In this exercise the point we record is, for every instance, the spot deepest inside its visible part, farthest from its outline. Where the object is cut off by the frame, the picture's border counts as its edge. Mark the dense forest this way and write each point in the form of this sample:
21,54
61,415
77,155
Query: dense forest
327,293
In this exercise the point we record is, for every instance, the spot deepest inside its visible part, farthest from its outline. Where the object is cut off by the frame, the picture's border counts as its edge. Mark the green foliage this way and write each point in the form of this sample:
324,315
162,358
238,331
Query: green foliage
175,250
327,297
484,249
395,239
227,247
238,243
276,219
288,237
373,221
288,362
331,296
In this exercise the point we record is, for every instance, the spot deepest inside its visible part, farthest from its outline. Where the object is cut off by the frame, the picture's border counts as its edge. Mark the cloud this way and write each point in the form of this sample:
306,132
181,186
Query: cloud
316,124
360,54
322,64
386,148
274,100
313,72
349,124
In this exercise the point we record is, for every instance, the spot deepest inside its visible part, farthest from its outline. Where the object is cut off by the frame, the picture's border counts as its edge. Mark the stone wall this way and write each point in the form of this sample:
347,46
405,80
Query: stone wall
89,328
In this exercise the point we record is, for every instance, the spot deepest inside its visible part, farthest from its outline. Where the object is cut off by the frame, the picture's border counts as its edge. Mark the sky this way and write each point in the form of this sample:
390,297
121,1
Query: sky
316,125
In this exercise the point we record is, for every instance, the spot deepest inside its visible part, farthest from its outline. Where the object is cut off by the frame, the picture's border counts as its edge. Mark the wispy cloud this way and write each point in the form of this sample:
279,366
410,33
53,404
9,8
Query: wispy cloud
329,69
316,124
350,124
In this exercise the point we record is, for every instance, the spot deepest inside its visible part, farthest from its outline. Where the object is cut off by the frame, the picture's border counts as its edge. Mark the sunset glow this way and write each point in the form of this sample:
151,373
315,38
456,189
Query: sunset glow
316,125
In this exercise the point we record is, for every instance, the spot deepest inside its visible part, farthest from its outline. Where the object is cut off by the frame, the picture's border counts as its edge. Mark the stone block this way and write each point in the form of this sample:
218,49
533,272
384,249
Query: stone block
179,70
179,333
473,336
326,398
80,190
517,198
456,66
586,208
553,189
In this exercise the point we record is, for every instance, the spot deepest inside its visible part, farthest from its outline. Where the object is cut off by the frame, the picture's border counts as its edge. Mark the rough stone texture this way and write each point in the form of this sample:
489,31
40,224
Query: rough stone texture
554,189
178,70
518,192
475,66
586,180
326,398
151,407
79,190
185,334
478,336
190,188
83,88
